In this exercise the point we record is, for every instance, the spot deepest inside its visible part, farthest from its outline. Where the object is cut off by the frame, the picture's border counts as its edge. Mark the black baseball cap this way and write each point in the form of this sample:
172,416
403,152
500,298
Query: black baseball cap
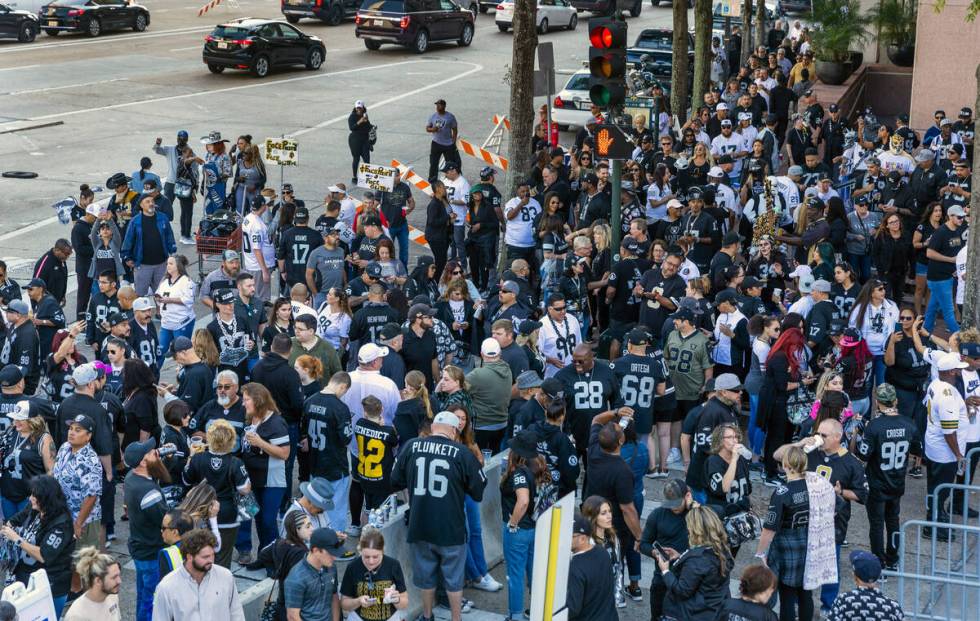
10,375
224,296
553,388
82,421
637,336
326,539
117,318
726,295
750,282
389,331
302,214
675,491
581,525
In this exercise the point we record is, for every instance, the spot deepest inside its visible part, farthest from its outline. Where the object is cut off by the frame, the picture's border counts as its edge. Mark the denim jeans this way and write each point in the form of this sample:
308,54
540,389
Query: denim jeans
861,264
400,234
147,577
457,249
519,556
828,592
59,604
878,369
265,520
339,516
290,461
10,508
476,561
168,336
940,299
860,407
757,437
699,495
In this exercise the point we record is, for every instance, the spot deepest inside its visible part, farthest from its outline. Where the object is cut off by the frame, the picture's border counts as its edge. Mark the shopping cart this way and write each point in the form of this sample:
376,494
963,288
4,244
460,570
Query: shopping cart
219,232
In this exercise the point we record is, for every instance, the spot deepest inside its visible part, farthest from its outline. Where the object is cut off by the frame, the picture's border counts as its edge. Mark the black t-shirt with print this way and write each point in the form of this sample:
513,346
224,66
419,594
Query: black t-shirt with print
56,539
359,581
327,423
736,609
520,478
377,446
624,276
226,474
737,497
263,469
948,243
789,507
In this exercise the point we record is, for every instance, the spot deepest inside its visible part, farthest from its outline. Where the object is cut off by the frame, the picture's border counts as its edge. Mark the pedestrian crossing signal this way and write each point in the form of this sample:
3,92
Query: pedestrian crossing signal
611,143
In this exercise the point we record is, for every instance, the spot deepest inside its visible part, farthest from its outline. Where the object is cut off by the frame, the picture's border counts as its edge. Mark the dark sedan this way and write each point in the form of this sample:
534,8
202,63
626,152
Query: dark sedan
260,45
93,17
20,25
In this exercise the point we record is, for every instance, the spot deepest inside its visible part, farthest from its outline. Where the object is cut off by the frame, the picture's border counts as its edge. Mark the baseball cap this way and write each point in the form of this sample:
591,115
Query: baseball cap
369,352
446,418
950,361
885,393
419,310
821,285
637,336
674,492
82,421
182,343
37,282
966,111
630,244
589,178
684,314
871,161
834,108
836,327
694,192
726,122
230,255
721,106
136,451
528,379
674,204
725,159
553,388
182,133
866,565
490,348
142,304
744,116
510,287
961,163
335,190
750,282
801,270
925,155
389,331
222,296
319,492
10,375
84,374
806,283
302,214
526,327
117,318
726,295
450,166
956,210
728,381
795,171
326,539
21,411
581,525
373,269
287,187
18,306
257,202
716,171
945,122
731,237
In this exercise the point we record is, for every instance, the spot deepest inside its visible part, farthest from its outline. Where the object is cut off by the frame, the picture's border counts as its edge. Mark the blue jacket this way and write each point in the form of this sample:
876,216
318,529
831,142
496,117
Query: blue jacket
132,248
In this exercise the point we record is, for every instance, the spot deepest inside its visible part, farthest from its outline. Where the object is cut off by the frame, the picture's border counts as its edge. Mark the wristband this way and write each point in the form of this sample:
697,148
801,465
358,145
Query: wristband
760,555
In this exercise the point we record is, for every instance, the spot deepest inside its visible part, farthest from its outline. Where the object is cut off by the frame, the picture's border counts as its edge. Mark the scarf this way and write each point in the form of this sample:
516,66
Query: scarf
821,555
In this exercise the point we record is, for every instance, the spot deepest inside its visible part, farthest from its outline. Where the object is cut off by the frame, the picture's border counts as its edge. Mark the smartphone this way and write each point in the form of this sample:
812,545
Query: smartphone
660,550
373,600
898,326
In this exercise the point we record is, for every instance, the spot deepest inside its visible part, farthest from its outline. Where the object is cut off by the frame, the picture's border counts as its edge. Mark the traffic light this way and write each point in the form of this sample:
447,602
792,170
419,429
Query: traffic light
607,61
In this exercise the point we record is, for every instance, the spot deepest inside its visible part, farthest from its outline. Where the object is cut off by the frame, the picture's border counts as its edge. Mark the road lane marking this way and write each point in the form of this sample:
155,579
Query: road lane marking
30,227
20,67
184,49
241,87
108,40
58,88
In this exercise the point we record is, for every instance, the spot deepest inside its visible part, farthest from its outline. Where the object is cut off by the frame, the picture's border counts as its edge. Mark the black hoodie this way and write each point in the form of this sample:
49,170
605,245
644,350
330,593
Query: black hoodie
696,587
274,373
559,453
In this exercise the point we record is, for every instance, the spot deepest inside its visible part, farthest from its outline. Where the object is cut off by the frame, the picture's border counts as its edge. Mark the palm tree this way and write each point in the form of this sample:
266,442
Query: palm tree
679,69
702,51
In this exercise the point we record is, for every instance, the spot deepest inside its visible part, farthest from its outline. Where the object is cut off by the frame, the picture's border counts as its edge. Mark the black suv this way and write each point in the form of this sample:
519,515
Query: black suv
601,7
259,45
20,25
330,11
413,23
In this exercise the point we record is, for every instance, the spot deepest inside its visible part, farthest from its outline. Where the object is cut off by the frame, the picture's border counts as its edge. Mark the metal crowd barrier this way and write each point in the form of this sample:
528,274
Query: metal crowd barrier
969,460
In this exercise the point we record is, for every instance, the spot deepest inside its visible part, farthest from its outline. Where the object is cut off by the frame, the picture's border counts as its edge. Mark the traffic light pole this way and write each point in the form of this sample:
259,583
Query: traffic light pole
617,209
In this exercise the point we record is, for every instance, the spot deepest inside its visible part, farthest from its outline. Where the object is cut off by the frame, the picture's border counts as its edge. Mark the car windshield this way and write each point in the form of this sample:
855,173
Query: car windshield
230,32
70,2
655,42
389,6
579,82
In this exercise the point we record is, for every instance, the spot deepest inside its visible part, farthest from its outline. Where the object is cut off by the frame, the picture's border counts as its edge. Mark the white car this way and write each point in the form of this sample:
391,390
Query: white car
550,14
572,106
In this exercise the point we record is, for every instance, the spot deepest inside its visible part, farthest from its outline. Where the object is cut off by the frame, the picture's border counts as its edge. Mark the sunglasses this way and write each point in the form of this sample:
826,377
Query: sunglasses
558,309
457,272
906,318
225,386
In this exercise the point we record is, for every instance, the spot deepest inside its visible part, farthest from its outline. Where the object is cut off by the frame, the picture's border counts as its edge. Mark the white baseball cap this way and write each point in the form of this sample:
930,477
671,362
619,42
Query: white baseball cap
142,304
490,347
22,411
370,352
716,171
950,361
800,271
446,418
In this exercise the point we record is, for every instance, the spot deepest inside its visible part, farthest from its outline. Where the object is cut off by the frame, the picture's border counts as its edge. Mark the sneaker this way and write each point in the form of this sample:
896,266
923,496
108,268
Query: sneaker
467,605
245,558
354,531
424,618
916,472
675,456
488,584
634,592
110,534
620,601
845,544
657,474
187,241
891,567
941,534
347,555
771,482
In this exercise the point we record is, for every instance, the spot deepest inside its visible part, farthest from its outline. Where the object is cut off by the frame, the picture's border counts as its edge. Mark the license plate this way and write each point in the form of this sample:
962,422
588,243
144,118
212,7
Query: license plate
52,22
222,45
378,23
584,105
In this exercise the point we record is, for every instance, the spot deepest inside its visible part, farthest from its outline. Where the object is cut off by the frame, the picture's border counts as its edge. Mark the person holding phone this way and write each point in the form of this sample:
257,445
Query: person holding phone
373,588
665,534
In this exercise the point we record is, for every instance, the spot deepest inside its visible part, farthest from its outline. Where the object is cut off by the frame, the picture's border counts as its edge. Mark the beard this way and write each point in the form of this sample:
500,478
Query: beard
223,400
158,471
204,568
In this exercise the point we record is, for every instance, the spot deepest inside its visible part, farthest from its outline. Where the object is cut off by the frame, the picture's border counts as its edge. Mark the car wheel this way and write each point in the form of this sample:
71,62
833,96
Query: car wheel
543,26
572,23
466,37
503,27
421,42
140,24
636,8
372,45
94,27
27,33
51,32
314,60
292,19
216,68
260,66
335,15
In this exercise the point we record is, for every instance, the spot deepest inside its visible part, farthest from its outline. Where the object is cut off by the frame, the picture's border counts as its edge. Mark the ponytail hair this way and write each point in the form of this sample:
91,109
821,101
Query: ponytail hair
85,192
416,381
91,564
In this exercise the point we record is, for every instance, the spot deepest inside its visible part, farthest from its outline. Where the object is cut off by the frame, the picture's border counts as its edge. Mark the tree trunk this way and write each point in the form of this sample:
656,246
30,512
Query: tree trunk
679,70
971,298
702,51
747,46
760,23
521,113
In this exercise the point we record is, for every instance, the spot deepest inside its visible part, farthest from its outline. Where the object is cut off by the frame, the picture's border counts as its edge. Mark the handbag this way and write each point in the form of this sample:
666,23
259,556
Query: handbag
373,135
798,404
741,527
246,505
270,607
183,188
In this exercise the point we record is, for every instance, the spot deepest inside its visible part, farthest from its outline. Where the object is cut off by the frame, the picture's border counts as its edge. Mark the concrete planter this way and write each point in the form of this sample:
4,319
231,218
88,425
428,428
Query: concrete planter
832,73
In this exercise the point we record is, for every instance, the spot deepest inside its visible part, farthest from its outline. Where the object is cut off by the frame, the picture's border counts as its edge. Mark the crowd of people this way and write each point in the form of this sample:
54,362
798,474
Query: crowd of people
769,317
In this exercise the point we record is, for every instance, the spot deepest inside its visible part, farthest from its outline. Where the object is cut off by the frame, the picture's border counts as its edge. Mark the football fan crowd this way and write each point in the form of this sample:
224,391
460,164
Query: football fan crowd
768,319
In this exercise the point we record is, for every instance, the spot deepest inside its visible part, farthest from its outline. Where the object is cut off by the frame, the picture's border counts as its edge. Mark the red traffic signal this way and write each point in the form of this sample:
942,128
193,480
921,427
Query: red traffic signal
607,34
607,61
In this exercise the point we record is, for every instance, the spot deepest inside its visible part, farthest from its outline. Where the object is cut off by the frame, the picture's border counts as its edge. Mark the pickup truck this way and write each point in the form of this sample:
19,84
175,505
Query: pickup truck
657,43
